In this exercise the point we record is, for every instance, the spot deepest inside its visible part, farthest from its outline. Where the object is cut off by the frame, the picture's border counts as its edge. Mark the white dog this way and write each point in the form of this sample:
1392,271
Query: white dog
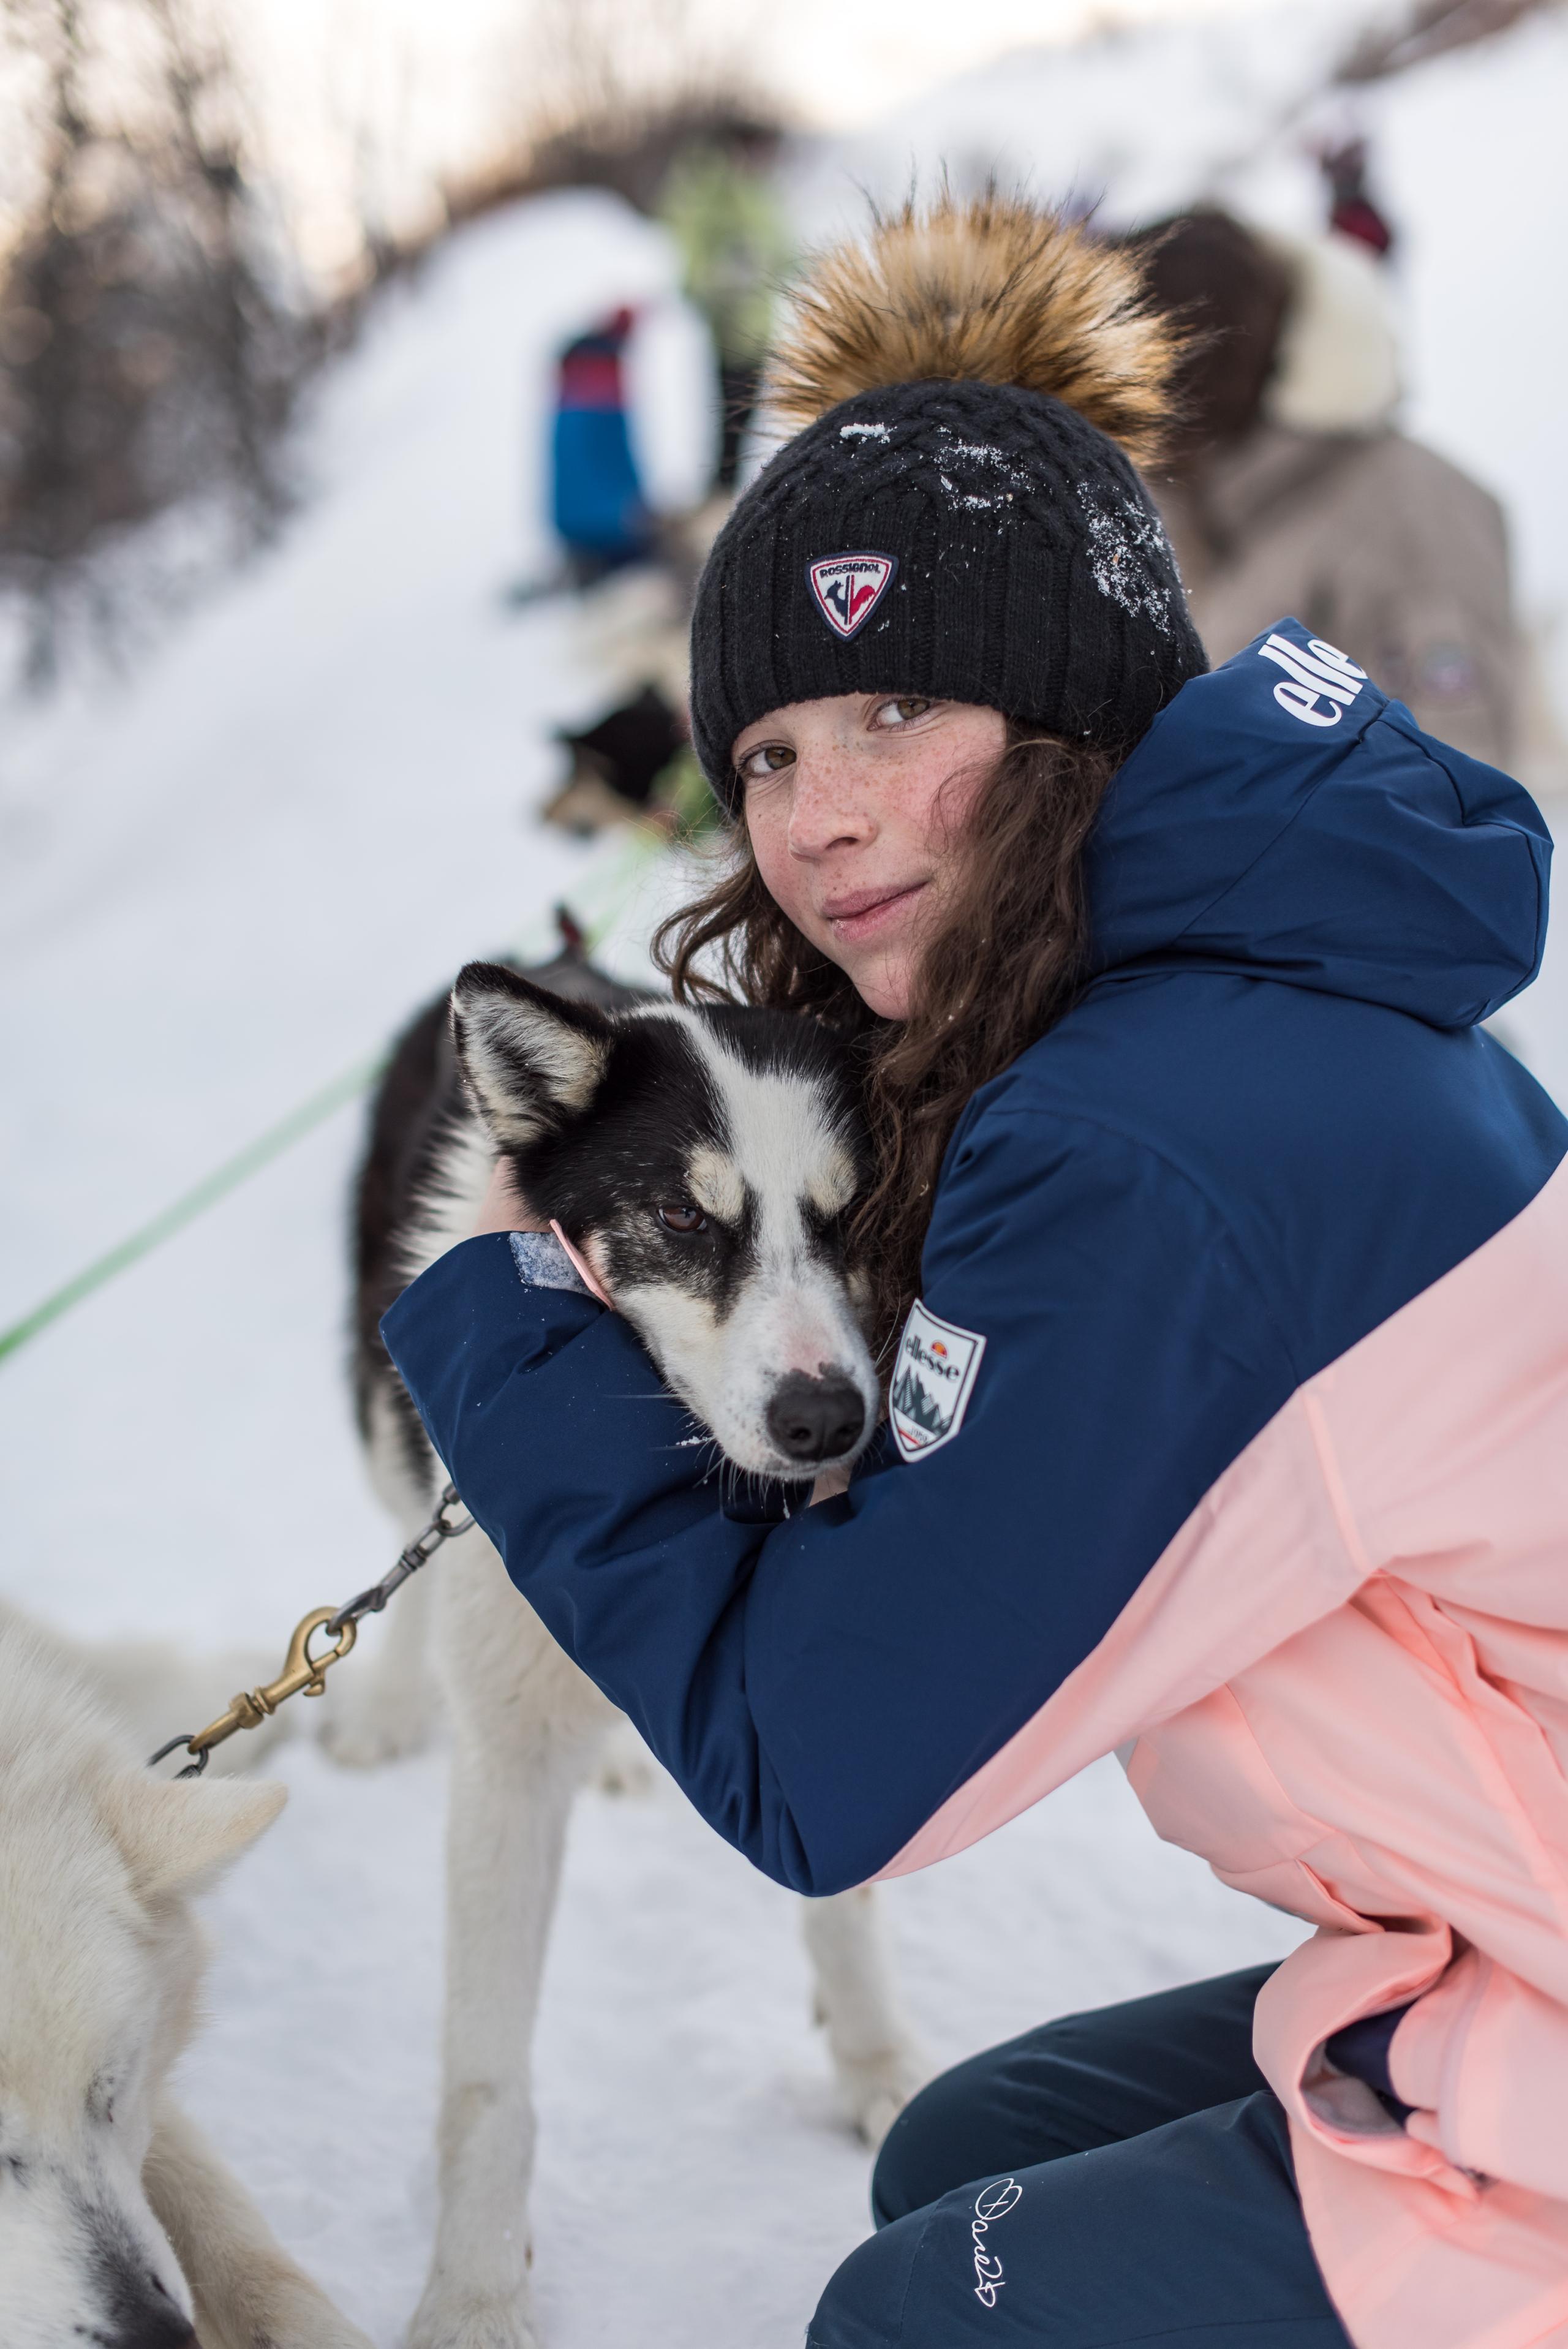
704,1165
118,2225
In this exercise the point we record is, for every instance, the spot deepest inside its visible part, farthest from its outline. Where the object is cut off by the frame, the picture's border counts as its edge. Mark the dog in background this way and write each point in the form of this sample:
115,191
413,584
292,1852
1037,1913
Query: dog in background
704,1164
118,2224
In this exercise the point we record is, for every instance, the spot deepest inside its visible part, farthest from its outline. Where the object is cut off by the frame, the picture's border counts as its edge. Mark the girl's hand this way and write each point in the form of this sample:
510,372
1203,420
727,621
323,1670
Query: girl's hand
505,1209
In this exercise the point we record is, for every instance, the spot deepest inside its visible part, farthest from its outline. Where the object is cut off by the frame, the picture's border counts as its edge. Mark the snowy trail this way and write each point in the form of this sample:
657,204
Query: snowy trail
230,883
217,887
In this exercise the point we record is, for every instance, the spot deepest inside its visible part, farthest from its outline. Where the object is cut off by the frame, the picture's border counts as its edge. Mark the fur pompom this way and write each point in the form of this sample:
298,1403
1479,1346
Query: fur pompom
991,291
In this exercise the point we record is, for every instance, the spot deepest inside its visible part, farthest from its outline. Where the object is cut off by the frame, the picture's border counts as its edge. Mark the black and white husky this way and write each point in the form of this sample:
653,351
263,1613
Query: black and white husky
702,1164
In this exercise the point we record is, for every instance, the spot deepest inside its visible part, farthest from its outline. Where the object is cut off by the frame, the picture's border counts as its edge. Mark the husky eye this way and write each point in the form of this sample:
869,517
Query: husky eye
683,1217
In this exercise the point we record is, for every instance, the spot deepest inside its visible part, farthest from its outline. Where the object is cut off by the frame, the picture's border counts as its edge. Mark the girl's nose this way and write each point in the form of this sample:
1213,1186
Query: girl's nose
829,810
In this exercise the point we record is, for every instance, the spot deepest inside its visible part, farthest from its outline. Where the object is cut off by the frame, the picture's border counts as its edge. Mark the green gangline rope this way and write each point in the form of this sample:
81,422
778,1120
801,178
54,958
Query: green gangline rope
281,1137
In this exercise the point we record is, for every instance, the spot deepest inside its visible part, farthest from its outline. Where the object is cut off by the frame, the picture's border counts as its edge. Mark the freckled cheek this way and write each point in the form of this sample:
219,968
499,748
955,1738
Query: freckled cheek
767,825
947,799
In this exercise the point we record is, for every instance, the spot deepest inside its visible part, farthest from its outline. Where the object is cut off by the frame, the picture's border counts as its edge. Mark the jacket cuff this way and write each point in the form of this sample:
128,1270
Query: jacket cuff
1362,2050
465,1327
1488,2054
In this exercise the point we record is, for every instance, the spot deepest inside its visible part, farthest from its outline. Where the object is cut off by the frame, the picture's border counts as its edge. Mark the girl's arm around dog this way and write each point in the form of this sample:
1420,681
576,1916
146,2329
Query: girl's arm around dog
818,1687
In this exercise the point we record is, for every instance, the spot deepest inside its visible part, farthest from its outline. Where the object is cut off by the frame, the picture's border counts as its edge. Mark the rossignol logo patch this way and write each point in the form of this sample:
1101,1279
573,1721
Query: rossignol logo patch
847,588
937,1367
1320,682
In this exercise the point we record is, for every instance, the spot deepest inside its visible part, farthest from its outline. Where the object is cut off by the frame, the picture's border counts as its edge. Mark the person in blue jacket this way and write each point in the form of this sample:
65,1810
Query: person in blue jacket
1170,986
597,505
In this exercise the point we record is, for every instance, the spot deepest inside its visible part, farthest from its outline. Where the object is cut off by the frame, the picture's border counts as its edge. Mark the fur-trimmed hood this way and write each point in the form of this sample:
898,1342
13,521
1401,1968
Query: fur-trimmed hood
1339,364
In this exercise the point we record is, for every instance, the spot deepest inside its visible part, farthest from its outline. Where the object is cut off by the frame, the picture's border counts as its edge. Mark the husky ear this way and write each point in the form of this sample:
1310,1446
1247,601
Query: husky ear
176,1838
524,1053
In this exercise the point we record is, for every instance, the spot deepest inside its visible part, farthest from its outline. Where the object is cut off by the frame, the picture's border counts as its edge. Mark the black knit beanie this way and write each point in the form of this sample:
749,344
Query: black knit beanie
963,524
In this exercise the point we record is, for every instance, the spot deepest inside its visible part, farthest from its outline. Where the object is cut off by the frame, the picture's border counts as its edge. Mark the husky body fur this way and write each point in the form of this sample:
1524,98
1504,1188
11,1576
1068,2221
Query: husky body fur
610,1107
117,2223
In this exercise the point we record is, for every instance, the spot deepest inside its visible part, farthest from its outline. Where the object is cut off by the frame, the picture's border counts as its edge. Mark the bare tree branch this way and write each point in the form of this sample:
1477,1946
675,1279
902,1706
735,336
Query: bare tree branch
1430,30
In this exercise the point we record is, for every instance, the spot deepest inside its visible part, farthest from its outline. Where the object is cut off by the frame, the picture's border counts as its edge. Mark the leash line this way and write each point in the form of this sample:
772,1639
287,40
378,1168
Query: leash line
305,1670
281,1137
195,1202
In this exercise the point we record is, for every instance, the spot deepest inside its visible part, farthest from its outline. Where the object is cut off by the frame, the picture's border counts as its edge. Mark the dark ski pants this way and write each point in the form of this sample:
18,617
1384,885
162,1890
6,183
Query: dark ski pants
1109,2178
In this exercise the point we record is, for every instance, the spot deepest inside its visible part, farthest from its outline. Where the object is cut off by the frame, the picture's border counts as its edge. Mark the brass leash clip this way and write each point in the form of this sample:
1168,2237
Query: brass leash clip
302,1675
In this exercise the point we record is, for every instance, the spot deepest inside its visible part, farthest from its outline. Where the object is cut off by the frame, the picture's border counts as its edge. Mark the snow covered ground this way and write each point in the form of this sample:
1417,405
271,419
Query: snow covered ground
220,884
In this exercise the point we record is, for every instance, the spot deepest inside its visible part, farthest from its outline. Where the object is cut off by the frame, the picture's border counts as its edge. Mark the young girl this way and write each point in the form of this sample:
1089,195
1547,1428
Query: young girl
1226,1259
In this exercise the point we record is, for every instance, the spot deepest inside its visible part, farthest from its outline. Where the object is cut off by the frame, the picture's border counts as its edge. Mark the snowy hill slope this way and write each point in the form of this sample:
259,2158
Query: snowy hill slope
230,880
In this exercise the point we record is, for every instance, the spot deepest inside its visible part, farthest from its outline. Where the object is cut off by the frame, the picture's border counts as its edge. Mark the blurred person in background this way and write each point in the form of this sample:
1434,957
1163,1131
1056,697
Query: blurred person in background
720,205
1291,488
600,513
1352,211
634,590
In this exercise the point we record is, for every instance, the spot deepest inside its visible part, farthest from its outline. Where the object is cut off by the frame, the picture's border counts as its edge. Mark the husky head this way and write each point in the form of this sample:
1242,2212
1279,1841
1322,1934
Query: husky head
99,1963
704,1164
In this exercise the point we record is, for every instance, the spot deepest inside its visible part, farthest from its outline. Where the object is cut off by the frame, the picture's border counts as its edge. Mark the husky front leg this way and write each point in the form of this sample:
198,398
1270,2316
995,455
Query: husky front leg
506,1834
386,1709
245,2287
526,1727
878,2063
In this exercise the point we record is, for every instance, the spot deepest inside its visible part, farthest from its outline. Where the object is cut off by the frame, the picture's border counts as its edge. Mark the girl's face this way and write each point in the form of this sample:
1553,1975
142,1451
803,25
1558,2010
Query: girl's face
855,805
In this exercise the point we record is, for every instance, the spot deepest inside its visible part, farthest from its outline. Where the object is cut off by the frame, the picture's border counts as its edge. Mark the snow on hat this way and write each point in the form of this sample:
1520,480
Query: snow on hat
959,515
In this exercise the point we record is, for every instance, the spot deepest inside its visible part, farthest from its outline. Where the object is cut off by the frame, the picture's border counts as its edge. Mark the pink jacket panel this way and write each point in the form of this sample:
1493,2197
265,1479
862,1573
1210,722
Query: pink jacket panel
1348,1678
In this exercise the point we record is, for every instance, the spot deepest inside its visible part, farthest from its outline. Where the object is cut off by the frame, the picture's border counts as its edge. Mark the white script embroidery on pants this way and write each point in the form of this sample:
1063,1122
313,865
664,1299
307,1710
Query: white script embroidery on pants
992,2202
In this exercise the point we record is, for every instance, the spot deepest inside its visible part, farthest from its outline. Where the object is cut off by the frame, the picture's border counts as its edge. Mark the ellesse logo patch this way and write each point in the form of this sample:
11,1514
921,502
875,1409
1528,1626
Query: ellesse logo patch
938,1363
847,588
1320,681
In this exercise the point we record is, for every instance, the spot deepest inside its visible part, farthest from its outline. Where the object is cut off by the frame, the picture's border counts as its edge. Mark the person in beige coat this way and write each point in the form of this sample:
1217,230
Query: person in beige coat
1293,490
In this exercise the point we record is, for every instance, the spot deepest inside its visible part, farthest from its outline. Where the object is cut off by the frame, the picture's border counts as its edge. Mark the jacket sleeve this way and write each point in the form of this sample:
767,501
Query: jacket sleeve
820,1686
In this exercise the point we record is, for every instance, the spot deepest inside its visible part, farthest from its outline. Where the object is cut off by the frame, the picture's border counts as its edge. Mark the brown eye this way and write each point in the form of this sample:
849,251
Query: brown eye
683,1219
766,758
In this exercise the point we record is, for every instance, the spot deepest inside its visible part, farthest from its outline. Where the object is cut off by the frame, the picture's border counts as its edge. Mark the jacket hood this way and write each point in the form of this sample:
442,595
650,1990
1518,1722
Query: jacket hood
1337,366
1285,819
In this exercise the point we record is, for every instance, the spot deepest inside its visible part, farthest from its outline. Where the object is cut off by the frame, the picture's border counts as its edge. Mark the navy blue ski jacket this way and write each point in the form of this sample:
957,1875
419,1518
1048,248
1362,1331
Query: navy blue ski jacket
1271,1121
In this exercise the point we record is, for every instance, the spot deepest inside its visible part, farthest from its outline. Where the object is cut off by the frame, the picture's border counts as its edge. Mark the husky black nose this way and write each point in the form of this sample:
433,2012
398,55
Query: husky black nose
144,2317
152,2328
815,1419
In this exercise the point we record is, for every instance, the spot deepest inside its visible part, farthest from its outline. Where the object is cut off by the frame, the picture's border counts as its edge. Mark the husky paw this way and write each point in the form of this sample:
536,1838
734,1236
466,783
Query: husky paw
474,2320
876,2088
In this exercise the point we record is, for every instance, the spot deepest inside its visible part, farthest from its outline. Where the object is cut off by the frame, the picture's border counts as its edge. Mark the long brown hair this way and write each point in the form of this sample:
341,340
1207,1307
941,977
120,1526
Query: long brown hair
1004,965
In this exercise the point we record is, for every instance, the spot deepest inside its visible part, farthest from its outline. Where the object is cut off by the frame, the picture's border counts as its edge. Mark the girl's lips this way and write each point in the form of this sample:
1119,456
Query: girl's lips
862,916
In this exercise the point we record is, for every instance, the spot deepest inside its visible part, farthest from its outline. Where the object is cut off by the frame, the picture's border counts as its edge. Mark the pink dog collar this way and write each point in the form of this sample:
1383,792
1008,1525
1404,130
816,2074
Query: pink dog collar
580,1264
